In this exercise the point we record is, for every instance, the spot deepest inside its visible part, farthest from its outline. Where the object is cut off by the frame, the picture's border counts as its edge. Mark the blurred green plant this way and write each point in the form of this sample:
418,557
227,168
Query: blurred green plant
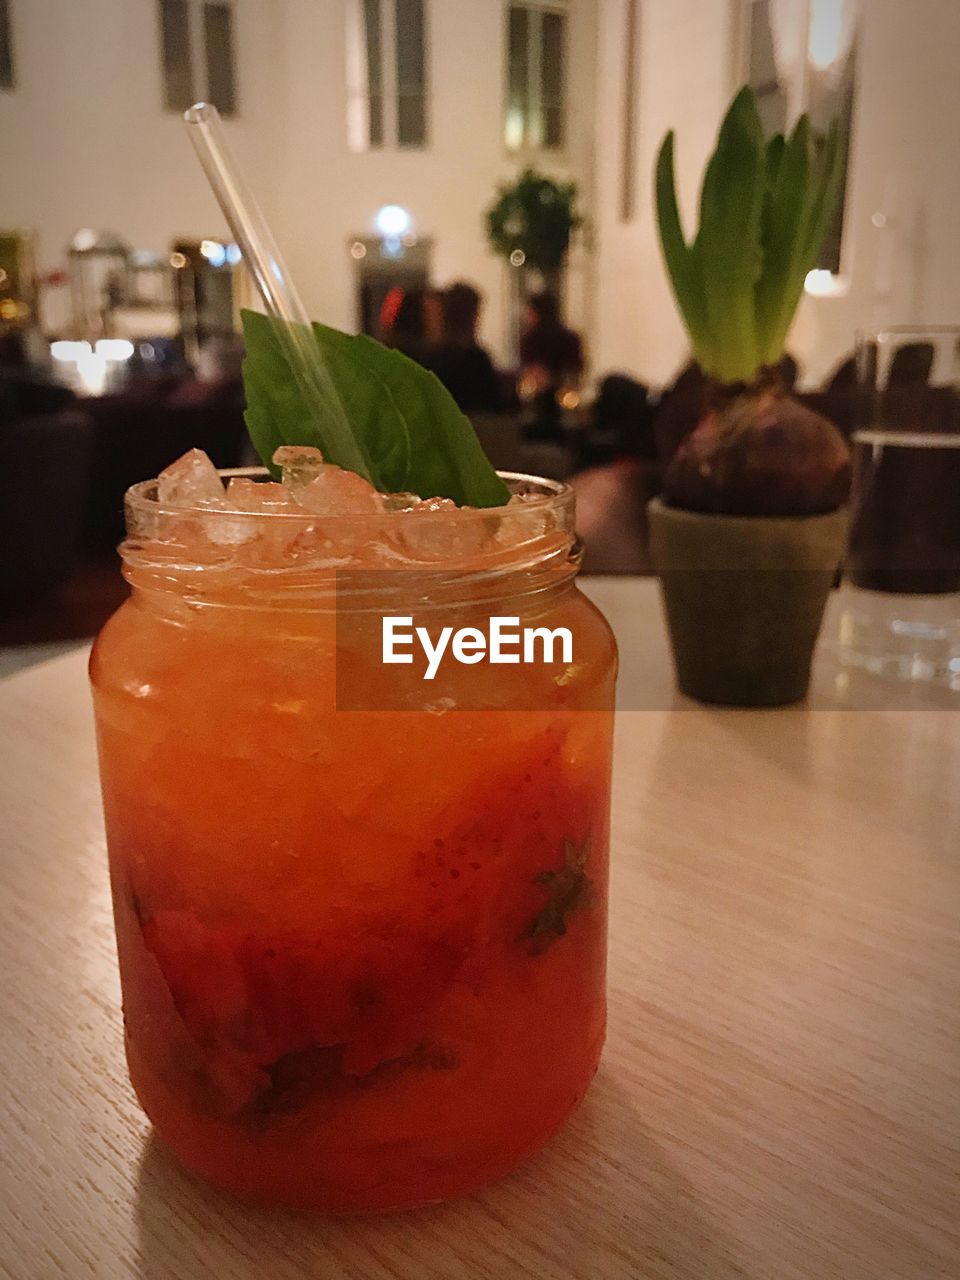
765,207
536,217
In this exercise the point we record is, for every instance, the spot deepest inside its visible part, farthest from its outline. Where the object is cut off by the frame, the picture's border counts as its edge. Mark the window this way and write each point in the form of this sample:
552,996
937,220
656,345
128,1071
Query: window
800,56
196,39
386,74
411,74
218,45
536,106
177,63
374,69
762,72
6,47
628,177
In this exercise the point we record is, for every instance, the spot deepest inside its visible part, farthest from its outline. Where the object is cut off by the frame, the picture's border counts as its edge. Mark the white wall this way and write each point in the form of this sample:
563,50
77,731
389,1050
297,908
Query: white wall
84,140
333,194
906,167
684,75
904,164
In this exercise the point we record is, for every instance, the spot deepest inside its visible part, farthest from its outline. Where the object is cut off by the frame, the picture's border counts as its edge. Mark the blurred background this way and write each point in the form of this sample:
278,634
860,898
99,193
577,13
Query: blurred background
468,180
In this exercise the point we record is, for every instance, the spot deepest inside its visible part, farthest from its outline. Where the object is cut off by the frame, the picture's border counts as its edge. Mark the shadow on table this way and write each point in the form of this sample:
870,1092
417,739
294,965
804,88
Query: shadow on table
601,1200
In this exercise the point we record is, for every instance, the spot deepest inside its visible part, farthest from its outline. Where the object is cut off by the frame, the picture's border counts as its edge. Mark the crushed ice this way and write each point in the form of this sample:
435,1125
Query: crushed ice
311,487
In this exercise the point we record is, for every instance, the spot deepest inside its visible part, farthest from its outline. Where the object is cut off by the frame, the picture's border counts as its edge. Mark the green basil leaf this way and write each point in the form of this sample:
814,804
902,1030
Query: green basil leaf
406,423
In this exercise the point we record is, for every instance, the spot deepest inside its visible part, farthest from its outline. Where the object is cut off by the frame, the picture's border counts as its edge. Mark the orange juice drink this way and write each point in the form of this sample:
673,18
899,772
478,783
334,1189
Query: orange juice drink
361,933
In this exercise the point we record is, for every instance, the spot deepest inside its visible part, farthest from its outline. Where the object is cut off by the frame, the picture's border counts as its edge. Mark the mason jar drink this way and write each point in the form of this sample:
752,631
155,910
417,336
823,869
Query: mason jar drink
360,909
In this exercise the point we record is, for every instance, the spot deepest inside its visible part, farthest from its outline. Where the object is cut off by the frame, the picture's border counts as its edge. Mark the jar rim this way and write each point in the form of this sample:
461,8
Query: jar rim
156,551
142,503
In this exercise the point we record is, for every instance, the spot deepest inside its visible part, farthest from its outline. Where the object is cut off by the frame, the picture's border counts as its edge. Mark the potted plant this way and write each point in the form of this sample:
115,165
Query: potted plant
750,528
530,224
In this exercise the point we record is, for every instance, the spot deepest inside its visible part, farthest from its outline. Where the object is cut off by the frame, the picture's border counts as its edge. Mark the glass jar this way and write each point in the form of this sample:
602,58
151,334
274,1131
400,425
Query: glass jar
362,952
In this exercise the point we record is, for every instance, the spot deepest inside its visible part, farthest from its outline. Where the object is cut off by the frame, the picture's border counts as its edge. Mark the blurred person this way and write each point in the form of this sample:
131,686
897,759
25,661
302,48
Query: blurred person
551,355
215,378
621,422
28,387
681,407
612,516
459,361
411,322
392,301
551,367
13,349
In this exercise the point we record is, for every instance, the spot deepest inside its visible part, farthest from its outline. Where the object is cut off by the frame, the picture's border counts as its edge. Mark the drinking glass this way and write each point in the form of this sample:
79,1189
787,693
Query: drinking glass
362,952
900,615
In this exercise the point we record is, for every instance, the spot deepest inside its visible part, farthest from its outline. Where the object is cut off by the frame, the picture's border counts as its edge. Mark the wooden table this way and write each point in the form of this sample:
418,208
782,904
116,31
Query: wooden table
780,1094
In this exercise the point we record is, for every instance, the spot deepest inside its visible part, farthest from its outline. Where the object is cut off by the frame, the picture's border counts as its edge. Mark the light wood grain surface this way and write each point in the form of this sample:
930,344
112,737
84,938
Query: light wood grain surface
780,1094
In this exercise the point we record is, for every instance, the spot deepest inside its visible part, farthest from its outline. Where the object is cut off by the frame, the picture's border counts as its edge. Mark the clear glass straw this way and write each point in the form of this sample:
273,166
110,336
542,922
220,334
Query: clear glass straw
278,292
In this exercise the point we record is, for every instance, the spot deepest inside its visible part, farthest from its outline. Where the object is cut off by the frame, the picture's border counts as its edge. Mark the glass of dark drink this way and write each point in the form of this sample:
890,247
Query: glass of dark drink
901,614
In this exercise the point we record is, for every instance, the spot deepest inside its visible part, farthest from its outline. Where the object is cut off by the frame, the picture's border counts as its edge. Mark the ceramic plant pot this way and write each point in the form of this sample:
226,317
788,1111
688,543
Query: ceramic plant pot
744,598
